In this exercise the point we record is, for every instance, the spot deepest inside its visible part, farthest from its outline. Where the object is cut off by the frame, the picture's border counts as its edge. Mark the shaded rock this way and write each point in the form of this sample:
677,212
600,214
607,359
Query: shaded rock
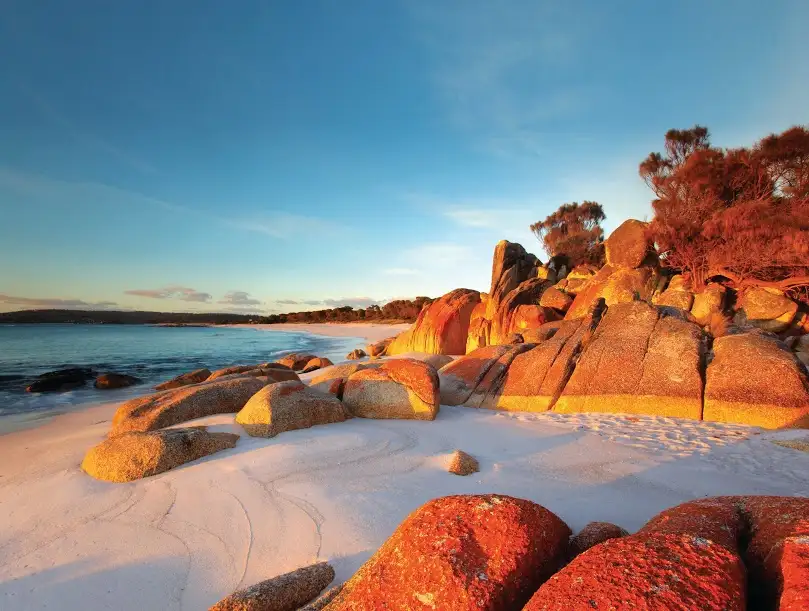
519,311
185,403
132,456
62,380
754,380
461,552
628,246
511,266
288,406
767,308
110,381
332,379
317,363
543,332
479,326
398,388
441,327
286,592
355,354
295,361
379,348
708,303
556,299
462,463
184,379
515,338
324,599
546,273
593,534
641,360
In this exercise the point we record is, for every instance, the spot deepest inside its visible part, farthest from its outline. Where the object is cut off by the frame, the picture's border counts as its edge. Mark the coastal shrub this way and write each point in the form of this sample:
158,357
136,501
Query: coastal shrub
573,235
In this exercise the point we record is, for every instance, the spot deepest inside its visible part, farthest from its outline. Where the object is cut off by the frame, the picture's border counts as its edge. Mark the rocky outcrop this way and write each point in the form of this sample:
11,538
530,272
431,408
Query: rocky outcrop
268,371
183,404
62,380
286,592
461,552
753,379
461,463
356,354
398,388
441,327
295,361
111,381
288,406
555,298
593,534
192,377
766,308
641,360
132,456
317,363
629,246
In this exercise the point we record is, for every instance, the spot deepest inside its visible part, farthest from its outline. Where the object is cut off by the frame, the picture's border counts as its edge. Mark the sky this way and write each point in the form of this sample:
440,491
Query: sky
254,156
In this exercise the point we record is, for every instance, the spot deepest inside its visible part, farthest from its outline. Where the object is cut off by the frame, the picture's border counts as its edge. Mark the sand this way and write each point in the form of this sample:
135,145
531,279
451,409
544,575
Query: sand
186,538
372,332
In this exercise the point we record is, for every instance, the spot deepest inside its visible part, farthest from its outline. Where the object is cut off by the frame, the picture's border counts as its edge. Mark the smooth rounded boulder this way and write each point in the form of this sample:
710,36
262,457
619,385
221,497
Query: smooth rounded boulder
185,379
488,552
593,534
767,308
288,406
112,381
317,363
186,403
61,380
398,388
629,245
295,361
132,456
332,379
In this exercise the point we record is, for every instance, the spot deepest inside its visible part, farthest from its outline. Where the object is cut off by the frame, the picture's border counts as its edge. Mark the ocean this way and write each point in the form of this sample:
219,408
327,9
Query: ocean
151,353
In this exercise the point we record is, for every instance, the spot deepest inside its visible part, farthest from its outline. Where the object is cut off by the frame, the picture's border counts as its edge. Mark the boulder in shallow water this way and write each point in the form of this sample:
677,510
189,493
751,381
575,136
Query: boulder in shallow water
62,380
287,592
132,456
185,379
110,381
288,406
398,388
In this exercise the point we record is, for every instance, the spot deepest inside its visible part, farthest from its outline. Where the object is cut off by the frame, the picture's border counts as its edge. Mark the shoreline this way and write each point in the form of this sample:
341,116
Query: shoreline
369,331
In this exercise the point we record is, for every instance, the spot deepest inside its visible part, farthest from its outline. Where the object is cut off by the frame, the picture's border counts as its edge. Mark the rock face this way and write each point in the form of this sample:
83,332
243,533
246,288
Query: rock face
295,361
286,592
182,404
462,463
62,380
641,360
767,308
111,381
355,354
441,327
288,406
593,534
317,363
461,552
192,377
132,456
398,388
753,379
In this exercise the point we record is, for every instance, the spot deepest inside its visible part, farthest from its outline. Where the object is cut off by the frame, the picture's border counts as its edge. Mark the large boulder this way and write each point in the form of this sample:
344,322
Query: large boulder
286,592
296,360
185,379
629,245
676,295
185,403
555,298
487,552
132,456
766,308
708,303
519,311
641,360
615,285
332,379
62,380
112,381
226,371
288,406
461,377
511,266
317,363
479,326
753,379
398,388
441,327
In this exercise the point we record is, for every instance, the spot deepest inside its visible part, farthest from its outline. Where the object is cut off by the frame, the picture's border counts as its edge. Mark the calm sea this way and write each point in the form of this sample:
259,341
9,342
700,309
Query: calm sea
153,354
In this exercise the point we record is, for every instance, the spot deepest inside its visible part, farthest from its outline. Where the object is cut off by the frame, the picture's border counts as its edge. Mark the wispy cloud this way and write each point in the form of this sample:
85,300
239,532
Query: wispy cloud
239,298
172,292
51,302
354,302
287,226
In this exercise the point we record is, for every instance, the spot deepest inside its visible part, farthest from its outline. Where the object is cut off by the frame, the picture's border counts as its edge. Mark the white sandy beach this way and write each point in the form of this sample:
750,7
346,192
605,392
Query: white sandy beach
371,332
186,538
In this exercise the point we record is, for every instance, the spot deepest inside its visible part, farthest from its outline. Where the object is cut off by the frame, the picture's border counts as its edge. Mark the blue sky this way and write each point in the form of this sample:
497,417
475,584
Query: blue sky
279,156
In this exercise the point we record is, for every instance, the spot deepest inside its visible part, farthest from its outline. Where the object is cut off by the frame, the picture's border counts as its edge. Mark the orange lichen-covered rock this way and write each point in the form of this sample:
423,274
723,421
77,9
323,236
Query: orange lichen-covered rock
441,327
317,363
641,360
615,285
479,326
295,361
520,310
483,552
556,299
716,519
593,534
708,302
462,376
398,388
629,245
753,379
655,572
332,379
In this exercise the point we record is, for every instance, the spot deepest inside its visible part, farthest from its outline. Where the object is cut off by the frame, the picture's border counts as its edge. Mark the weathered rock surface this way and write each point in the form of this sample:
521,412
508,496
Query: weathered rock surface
460,378
555,298
226,371
519,311
641,360
398,388
753,379
185,403
111,381
766,308
628,246
295,361
441,327
332,379
317,363
379,348
461,552
132,456
288,406
286,592
62,380
356,354
461,463
615,285
324,599
593,534
708,303
192,377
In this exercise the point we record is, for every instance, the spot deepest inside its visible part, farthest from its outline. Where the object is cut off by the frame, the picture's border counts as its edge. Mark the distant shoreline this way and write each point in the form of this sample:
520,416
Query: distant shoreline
369,331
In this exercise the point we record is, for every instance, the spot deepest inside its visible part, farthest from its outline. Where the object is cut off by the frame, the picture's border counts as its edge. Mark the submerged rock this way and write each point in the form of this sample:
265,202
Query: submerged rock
62,380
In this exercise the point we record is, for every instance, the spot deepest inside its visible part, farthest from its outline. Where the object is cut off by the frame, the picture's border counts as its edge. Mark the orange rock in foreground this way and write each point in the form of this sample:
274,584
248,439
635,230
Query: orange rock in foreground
486,552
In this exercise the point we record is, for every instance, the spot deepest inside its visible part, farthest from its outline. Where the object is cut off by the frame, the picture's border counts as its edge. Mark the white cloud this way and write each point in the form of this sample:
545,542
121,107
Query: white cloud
172,292
239,298
55,302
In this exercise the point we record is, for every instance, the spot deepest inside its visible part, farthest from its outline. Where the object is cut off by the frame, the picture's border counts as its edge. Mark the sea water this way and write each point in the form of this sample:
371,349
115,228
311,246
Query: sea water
151,353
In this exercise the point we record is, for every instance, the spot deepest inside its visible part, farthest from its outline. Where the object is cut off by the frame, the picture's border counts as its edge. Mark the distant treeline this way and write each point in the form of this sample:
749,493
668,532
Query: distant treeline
400,310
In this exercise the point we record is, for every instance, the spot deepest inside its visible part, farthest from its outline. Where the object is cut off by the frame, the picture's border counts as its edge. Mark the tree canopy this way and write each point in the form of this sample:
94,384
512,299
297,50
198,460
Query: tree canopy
573,234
